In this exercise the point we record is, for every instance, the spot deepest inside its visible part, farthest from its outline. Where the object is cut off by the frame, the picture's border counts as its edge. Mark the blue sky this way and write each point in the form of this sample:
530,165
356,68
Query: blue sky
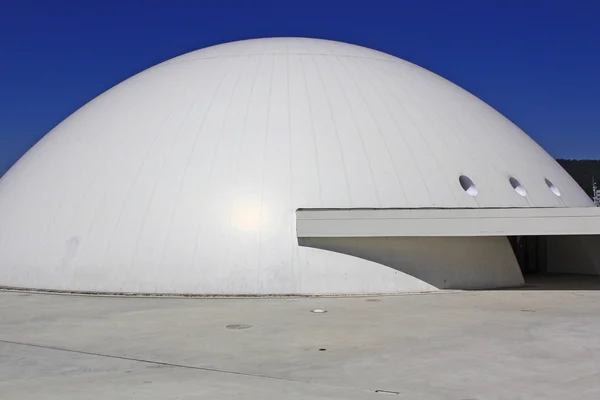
537,62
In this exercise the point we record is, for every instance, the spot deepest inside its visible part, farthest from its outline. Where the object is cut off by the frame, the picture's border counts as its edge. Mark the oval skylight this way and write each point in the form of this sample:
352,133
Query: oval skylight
552,188
468,186
517,186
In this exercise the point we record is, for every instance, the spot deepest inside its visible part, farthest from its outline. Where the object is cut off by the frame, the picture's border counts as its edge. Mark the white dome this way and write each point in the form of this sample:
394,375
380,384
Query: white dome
186,177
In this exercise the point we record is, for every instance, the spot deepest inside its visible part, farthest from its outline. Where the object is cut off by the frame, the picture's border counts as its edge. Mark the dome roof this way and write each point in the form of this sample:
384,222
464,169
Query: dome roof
186,177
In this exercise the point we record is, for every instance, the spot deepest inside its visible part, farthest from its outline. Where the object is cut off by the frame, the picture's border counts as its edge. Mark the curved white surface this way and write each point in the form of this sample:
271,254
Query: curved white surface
186,177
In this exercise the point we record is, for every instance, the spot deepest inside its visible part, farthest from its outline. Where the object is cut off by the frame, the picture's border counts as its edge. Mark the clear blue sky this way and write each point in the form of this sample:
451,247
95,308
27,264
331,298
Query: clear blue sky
537,62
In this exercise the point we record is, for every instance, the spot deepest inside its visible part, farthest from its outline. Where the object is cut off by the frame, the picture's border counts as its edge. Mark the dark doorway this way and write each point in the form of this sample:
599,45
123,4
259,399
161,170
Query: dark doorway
531,253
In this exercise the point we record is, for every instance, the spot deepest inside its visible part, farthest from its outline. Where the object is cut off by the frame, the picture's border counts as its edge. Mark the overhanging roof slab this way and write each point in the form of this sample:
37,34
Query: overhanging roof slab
447,222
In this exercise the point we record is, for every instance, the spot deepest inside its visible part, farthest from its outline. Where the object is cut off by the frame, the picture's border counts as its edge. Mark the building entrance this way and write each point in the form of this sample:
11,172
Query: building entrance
531,253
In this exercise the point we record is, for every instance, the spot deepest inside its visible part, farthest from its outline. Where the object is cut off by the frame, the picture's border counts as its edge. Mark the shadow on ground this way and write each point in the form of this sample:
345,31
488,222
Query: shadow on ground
559,282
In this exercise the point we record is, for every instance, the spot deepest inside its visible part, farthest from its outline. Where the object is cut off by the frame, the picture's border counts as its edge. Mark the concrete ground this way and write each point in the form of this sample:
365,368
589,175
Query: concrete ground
540,342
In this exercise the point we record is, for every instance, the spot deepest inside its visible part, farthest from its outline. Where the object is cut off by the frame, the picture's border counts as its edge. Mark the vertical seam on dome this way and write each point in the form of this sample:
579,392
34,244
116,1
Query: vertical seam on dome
423,138
464,128
139,169
483,118
262,169
516,140
335,127
181,183
216,147
550,162
195,139
358,129
236,179
450,128
111,152
312,125
400,134
36,148
294,249
262,182
43,239
381,135
160,174
243,136
492,126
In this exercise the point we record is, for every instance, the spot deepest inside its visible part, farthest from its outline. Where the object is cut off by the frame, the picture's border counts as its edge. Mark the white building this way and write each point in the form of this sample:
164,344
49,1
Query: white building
188,178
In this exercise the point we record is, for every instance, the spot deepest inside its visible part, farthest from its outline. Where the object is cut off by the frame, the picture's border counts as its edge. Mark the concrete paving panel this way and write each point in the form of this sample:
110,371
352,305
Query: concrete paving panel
506,344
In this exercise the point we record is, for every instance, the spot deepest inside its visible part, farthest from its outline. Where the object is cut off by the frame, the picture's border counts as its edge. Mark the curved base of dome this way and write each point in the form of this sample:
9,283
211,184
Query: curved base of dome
325,267
206,296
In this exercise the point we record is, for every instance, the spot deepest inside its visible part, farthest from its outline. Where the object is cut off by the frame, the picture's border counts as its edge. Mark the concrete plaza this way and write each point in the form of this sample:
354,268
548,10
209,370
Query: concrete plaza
538,342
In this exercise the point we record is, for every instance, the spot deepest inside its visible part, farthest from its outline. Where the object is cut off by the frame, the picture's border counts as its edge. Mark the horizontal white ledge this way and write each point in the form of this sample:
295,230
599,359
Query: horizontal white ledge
447,222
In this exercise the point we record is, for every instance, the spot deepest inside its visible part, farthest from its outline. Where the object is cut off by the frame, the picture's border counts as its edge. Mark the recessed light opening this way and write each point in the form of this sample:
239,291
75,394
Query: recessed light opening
552,188
468,186
517,186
